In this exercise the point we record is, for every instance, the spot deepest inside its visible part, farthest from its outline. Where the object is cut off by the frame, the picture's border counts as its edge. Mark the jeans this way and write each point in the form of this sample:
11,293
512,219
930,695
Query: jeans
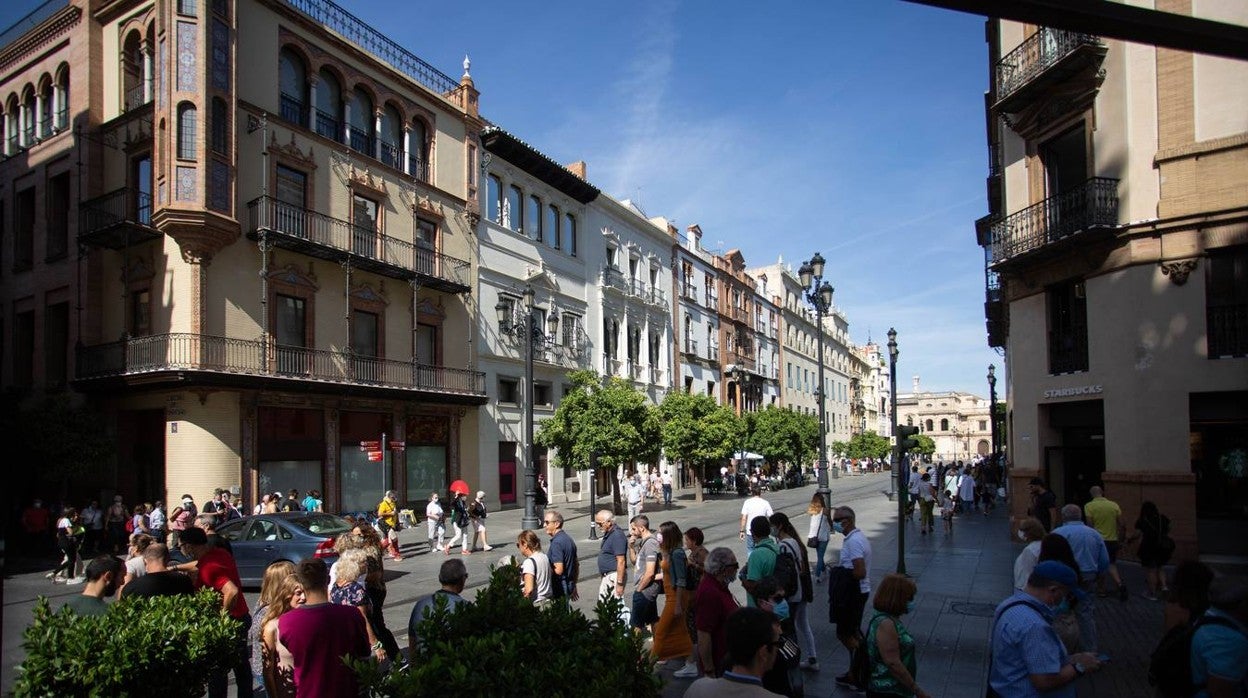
218,681
820,566
1086,612
667,495
749,547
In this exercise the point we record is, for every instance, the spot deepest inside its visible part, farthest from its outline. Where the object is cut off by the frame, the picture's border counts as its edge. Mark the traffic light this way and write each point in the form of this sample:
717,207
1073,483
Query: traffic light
905,438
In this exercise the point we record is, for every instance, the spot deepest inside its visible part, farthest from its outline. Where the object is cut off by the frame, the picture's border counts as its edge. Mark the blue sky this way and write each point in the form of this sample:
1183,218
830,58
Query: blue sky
853,127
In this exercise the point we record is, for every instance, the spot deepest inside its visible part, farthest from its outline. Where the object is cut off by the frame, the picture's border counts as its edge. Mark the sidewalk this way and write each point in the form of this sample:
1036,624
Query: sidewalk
960,579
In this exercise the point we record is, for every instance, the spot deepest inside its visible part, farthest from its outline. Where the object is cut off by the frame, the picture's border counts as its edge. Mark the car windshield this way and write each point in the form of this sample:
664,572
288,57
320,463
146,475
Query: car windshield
322,524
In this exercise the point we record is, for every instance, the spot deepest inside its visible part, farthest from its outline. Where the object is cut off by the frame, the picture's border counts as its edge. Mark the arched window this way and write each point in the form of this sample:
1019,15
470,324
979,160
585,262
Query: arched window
419,144
494,199
28,116
62,102
220,121
360,128
186,131
944,425
328,106
513,209
929,426
292,80
132,95
12,131
550,227
391,137
569,231
45,107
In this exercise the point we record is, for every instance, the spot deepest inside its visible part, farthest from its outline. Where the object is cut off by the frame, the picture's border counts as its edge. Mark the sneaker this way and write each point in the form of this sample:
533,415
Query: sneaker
1149,596
488,548
688,671
76,580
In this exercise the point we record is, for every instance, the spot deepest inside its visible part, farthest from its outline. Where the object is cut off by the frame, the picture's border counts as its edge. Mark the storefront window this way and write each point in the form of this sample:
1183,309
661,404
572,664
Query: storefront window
426,472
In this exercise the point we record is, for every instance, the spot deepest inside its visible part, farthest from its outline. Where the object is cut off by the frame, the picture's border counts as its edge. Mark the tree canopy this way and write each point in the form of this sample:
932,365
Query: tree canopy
610,418
782,436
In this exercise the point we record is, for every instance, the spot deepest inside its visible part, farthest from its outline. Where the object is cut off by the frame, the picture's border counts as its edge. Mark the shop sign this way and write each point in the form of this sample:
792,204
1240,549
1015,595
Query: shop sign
1076,391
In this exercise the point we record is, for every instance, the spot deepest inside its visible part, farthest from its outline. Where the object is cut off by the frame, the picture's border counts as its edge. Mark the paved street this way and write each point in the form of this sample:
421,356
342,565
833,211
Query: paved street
960,579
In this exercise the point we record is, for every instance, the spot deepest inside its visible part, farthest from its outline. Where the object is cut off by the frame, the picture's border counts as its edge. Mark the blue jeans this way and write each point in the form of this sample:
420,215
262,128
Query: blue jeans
820,566
1086,613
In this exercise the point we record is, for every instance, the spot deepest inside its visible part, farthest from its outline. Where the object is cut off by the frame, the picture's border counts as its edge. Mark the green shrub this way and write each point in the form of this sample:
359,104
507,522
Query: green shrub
501,645
162,646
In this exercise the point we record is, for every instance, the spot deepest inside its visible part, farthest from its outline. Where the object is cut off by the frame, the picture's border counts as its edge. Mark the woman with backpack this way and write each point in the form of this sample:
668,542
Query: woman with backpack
802,594
890,647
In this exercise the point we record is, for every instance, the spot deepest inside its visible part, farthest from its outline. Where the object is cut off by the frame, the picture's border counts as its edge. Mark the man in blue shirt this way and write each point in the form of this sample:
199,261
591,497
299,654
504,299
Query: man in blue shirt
612,556
562,554
1220,648
1027,657
1093,558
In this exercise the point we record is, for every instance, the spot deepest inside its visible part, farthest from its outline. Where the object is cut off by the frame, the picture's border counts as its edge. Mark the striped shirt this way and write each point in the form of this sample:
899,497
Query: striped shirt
1024,643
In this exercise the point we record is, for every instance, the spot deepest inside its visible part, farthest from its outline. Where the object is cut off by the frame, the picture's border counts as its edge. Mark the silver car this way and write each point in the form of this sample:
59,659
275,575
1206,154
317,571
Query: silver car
258,541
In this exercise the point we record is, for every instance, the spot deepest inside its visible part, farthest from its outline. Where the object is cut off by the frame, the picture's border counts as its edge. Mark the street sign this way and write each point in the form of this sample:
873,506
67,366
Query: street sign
398,445
373,445
374,456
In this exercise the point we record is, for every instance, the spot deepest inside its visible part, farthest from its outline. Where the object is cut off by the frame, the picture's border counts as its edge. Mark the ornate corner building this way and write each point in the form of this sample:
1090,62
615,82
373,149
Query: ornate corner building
1116,259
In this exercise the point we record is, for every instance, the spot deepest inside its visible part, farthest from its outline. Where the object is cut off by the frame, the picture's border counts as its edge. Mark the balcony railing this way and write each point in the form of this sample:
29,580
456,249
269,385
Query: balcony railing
611,366
712,353
688,290
360,141
745,361
136,96
366,37
418,168
116,220
327,125
293,110
1068,350
391,154
1090,205
691,347
656,375
1227,329
741,314
319,235
183,352
711,299
1037,54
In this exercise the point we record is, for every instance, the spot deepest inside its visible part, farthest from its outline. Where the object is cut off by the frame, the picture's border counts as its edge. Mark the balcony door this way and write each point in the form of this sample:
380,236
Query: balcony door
141,175
364,337
290,335
1065,160
292,200
364,228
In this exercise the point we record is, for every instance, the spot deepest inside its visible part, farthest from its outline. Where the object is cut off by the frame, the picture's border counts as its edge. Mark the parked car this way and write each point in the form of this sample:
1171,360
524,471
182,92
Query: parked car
261,540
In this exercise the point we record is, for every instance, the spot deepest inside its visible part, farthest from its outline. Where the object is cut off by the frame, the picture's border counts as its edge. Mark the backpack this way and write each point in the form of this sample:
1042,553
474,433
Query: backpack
1170,665
786,573
130,525
860,663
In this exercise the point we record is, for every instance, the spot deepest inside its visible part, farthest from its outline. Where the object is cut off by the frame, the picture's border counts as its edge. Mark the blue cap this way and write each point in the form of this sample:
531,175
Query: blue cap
1061,573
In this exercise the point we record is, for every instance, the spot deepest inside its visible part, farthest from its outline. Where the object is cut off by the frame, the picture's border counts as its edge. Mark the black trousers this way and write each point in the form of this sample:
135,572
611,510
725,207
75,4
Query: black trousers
219,680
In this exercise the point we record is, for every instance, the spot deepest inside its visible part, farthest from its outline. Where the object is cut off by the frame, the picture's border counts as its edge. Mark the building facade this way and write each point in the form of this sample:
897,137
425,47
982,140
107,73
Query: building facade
695,318
957,422
1117,270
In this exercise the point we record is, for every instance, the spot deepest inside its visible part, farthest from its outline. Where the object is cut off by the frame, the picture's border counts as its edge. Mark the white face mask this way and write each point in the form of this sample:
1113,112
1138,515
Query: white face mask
1022,536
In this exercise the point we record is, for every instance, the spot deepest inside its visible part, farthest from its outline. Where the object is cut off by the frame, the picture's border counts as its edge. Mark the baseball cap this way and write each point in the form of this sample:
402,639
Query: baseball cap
1061,573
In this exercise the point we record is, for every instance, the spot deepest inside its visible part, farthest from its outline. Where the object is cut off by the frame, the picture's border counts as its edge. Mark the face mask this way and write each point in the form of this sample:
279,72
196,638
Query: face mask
910,606
1022,536
781,609
1061,607
837,527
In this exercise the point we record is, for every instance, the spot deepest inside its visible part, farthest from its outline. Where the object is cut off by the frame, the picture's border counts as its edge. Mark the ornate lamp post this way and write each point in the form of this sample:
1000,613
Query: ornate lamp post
992,406
533,338
819,294
899,484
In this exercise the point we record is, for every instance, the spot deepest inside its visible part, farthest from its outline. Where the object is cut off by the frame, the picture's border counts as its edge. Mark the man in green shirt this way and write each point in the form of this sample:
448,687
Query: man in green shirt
104,573
1105,516
762,560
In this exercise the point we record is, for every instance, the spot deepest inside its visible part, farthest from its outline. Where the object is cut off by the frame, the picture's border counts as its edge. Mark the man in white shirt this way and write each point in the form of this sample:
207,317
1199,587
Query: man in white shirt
844,607
966,492
754,506
666,480
635,492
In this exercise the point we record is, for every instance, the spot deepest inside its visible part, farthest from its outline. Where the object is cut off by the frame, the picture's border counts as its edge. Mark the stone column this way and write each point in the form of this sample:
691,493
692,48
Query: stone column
313,81
377,134
146,49
407,150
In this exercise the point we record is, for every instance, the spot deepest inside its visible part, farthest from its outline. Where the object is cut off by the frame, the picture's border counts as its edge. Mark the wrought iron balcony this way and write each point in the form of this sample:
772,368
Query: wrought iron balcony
1046,57
741,359
688,290
184,357
327,125
317,235
741,314
293,109
691,347
418,168
712,353
360,141
1092,205
136,96
116,220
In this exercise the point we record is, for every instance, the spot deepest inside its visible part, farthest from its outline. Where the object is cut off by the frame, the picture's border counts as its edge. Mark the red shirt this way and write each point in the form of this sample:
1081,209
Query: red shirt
216,567
712,605
317,637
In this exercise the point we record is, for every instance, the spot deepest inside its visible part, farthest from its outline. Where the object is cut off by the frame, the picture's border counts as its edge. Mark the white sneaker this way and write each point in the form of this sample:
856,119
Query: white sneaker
689,671
76,580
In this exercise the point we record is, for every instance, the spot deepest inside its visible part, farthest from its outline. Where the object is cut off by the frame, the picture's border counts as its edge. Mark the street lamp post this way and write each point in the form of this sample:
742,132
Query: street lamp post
992,406
532,336
899,484
819,294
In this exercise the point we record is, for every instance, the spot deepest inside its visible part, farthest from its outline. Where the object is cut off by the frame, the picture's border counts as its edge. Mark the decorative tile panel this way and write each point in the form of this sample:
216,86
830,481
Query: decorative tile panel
187,183
162,64
188,47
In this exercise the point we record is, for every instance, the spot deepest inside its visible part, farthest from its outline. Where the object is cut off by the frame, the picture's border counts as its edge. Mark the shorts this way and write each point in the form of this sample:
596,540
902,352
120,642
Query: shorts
1112,546
848,616
646,610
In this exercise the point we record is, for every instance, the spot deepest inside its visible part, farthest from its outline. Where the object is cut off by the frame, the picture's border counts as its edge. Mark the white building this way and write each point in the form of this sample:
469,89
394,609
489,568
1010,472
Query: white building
695,321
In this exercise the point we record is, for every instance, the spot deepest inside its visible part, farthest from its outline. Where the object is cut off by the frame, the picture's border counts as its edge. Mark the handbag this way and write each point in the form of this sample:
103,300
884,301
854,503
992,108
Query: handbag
812,542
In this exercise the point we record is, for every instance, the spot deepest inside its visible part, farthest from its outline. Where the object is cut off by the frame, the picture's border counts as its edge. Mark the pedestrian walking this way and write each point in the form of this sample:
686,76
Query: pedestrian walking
665,480
696,555
671,639
1043,503
277,664
367,538
135,567
1092,559
1056,548
644,552
562,554
927,504
634,493
754,506
179,519
292,502
612,555
115,524
948,507
67,542
912,490
388,520
319,634
1152,530
434,522
1030,532
348,590
157,522
93,523
459,521
215,569
313,502
850,586
535,572
890,647
761,562
798,599
819,531
1105,517
452,576
477,513
713,604
966,491
1027,656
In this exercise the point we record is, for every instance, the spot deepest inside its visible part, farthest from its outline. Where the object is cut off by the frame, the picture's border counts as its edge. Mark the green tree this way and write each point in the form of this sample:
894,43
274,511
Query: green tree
868,445
698,432
839,449
611,419
926,445
782,436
